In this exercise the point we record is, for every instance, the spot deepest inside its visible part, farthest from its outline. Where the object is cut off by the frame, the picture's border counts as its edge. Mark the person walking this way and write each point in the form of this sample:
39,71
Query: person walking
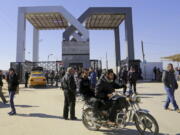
1,85
13,83
170,85
69,88
132,77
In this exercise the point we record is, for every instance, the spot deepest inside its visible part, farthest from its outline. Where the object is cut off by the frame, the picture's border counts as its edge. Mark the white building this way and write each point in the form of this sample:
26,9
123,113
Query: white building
147,69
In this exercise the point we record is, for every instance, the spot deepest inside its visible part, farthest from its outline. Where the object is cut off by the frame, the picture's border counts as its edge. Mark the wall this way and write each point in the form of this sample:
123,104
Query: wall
76,52
147,69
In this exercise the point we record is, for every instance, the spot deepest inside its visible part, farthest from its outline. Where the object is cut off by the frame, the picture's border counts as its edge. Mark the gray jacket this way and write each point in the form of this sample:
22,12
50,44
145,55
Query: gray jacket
169,80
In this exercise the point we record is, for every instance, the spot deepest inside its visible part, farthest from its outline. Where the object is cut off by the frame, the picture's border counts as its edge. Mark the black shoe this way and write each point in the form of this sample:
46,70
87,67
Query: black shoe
12,113
74,118
66,118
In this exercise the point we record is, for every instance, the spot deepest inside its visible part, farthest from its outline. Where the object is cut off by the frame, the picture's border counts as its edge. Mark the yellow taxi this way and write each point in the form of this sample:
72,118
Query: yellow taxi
37,78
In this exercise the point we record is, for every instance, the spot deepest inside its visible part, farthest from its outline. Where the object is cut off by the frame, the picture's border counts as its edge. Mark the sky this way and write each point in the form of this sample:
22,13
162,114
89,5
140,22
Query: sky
156,22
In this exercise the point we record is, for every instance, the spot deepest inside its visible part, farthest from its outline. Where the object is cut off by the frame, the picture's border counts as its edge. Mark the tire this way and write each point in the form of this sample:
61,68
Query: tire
148,121
89,113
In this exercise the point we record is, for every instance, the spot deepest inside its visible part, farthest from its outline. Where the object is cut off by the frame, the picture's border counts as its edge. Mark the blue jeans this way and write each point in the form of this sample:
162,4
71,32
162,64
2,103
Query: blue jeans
170,98
11,96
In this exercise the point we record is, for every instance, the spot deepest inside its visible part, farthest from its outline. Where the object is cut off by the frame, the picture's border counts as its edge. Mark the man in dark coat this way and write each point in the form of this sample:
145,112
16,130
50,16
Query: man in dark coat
85,86
26,79
170,85
132,77
69,87
124,78
13,83
104,91
1,85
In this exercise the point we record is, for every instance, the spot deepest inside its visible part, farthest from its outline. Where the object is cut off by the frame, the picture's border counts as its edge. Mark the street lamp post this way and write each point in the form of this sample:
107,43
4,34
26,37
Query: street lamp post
49,56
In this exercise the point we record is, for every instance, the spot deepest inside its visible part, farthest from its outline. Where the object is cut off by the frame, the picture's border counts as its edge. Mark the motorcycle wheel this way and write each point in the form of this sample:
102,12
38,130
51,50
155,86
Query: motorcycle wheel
147,124
87,119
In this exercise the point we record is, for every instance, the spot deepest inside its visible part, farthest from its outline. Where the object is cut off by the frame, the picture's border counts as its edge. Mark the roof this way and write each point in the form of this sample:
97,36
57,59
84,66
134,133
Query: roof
43,21
53,20
175,57
104,21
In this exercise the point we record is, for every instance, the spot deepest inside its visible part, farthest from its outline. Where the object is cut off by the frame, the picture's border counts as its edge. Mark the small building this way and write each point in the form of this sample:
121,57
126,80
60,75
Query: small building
148,67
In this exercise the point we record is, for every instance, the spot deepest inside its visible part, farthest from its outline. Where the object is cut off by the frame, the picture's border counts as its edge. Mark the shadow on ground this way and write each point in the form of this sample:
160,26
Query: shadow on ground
152,94
42,115
48,87
22,106
125,132
145,97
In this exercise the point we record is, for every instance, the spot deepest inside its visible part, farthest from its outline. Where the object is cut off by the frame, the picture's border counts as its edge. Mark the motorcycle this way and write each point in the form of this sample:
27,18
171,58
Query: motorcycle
131,113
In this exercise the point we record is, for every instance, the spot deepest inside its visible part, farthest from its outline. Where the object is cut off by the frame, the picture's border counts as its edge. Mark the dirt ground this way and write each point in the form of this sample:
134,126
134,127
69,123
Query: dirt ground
39,112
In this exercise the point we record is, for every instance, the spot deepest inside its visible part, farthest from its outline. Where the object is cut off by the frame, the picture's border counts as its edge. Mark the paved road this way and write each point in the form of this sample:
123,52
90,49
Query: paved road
39,112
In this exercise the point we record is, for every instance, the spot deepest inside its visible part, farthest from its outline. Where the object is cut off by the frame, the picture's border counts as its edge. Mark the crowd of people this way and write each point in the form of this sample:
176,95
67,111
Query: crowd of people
90,84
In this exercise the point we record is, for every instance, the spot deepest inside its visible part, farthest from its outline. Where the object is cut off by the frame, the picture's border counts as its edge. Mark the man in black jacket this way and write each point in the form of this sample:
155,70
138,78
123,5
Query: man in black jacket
170,85
104,91
1,85
124,76
69,87
12,80
26,79
132,77
85,86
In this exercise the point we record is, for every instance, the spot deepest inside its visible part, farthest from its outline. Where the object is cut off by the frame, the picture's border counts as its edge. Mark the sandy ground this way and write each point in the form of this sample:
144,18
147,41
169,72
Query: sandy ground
39,112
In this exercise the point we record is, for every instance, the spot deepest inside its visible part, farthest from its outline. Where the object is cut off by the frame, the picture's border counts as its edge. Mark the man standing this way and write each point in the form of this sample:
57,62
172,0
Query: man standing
13,83
26,79
1,85
155,72
93,79
85,86
52,74
132,77
69,87
124,77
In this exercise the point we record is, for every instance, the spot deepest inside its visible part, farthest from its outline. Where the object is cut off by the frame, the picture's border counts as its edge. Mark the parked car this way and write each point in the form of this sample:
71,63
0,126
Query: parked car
37,78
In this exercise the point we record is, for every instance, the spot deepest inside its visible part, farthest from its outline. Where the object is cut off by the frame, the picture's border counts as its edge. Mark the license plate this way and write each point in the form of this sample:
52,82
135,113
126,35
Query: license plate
38,79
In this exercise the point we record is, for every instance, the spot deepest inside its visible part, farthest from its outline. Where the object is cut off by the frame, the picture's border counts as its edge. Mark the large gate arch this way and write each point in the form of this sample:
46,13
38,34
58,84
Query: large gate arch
50,17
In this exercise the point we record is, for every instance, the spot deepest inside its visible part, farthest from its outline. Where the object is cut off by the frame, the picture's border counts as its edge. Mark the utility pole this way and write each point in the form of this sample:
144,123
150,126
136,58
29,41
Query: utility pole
144,61
142,46
106,61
